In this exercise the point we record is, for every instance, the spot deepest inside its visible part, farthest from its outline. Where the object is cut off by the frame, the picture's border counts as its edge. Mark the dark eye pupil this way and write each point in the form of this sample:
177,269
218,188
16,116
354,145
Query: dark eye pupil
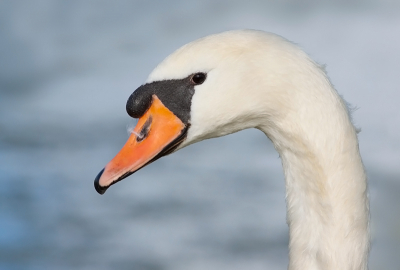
198,78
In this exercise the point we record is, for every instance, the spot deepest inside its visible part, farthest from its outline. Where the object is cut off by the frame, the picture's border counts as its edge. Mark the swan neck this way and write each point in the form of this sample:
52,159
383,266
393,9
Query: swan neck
326,189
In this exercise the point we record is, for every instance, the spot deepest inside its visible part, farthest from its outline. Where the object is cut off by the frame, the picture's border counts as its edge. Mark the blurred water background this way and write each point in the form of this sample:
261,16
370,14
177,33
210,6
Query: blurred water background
66,71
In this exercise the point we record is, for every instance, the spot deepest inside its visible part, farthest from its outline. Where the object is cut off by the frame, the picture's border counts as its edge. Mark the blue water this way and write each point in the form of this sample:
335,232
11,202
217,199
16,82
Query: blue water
66,71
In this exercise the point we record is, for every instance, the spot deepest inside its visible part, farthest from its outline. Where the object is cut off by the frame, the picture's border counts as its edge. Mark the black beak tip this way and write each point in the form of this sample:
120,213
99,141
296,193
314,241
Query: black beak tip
100,189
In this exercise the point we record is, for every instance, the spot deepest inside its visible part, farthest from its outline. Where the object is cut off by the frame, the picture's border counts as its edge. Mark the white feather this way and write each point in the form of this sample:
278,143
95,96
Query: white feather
260,80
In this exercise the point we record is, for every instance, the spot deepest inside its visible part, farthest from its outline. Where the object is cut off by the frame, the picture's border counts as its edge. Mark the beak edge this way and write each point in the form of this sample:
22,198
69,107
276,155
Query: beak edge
100,189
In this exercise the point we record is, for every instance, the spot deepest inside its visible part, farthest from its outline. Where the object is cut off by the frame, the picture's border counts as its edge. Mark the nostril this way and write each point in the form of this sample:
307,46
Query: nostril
145,130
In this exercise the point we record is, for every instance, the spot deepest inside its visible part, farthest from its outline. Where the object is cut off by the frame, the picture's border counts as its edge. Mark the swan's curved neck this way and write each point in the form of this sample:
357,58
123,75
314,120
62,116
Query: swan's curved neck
326,190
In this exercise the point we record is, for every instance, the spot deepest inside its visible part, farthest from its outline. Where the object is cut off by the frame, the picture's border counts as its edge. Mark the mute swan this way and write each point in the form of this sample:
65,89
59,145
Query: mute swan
235,80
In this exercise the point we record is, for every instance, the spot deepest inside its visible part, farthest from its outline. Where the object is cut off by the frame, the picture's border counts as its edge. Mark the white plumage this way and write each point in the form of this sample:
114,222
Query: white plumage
260,80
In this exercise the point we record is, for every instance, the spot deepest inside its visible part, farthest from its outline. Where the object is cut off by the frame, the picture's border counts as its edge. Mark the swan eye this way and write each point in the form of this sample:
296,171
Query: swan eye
198,78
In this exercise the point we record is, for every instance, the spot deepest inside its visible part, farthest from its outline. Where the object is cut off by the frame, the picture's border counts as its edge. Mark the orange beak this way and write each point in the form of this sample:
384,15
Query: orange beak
157,133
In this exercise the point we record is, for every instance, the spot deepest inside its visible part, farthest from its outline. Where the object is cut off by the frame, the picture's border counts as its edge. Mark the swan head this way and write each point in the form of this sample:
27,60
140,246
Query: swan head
205,89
